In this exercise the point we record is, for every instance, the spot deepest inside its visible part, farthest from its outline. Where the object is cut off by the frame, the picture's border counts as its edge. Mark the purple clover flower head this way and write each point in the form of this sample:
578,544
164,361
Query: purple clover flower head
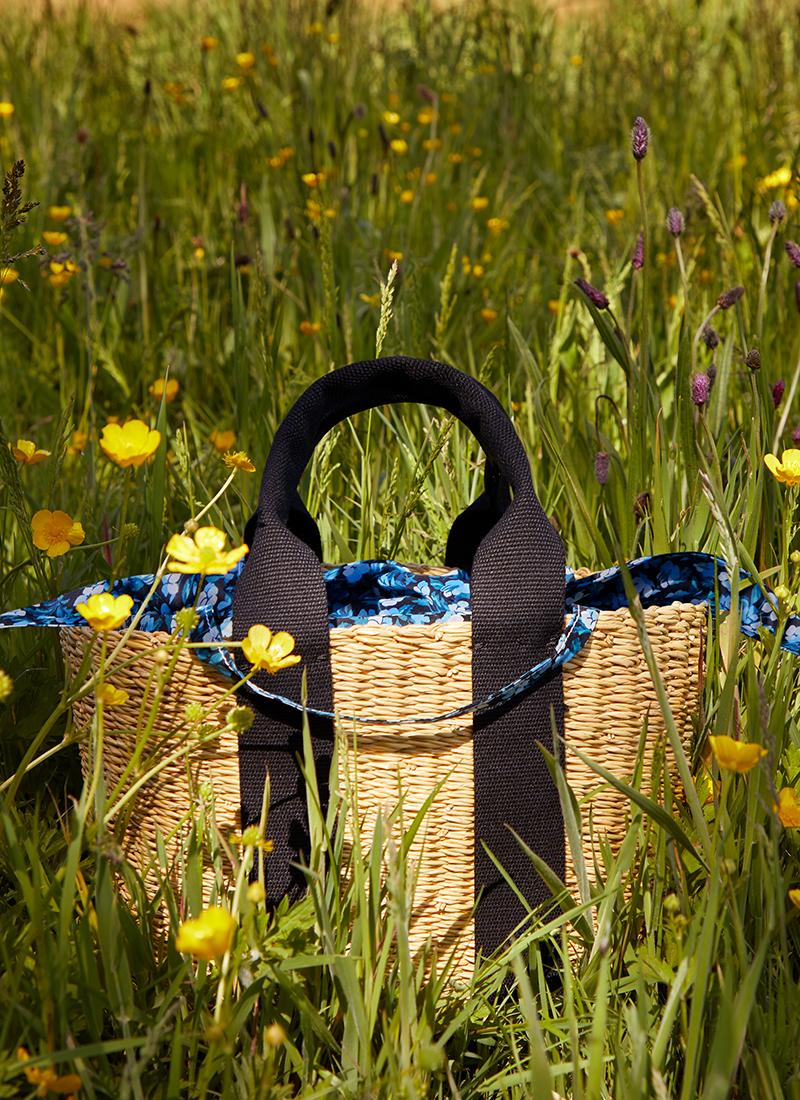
701,388
730,297
710,337
777,392
777,212
640,138
792,250
753,359
796,434
637,260
595,296
675,222
601,464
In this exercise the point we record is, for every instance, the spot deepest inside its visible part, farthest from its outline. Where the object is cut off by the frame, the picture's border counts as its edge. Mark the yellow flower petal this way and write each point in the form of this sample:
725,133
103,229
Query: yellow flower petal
208,936
788,808
103,611
129,444
55,532
736,756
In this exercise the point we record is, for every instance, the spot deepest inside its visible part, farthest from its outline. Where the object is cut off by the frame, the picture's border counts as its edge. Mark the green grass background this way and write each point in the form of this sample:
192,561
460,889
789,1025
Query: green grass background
199,259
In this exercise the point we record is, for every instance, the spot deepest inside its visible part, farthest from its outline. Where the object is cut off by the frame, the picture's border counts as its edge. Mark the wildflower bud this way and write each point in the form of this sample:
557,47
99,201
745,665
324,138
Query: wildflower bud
701,388
675,222
640,138
794,557
777,212
782,592
274,1035
796,434
186,619
601,465
672,904
193,713
426,93
359,111
793,252
82,135
129,531
256,893
710,337
595,296
240,719
753,359
161,656
797,294
148,87
777,392
711,374
311,137
262,110
641,506
637,260
6,686
332,151
730,297
574,253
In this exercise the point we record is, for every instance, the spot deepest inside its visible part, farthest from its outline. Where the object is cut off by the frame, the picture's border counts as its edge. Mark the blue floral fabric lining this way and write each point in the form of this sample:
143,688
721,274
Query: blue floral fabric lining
388,593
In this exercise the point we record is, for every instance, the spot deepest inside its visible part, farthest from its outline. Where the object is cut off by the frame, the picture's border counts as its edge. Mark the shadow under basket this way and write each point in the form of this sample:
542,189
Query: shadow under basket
384,671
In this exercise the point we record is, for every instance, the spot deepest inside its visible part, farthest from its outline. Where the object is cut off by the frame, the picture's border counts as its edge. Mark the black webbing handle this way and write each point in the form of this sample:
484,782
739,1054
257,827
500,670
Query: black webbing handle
517,580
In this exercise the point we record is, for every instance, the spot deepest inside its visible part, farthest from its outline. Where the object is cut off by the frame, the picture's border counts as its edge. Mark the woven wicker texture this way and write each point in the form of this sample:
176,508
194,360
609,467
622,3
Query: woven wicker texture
386,671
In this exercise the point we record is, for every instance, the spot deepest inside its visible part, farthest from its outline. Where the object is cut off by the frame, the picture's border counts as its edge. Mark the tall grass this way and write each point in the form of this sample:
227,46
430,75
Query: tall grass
240,242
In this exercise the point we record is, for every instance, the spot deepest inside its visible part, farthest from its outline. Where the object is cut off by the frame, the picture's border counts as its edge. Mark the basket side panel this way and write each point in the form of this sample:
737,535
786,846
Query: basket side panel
391,770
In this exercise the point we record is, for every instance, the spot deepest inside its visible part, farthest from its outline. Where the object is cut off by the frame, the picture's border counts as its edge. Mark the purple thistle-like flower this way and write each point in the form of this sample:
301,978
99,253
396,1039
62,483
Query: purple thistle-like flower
637,260
792,250
710,337
675,222
601,464
595,296
777,392
777,212
701,388
730,297
640,138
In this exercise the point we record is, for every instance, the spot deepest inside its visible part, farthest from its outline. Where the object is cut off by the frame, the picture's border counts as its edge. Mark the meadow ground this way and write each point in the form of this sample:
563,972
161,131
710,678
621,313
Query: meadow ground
230,200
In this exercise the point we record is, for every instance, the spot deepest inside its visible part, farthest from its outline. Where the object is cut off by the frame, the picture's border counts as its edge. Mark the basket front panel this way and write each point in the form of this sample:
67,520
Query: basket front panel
388,671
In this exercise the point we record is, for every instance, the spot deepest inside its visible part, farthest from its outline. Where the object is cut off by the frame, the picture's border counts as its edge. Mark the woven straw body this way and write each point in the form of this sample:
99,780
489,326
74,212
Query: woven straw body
387,671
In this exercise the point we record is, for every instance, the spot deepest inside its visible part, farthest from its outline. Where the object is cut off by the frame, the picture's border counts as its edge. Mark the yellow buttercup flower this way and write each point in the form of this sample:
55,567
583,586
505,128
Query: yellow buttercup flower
399,146
736,756
312,179
54,238
27,453
431,144
58,213
223,441
6,686
170,391
615,216
111,696
208,42
103,611
46,1079
391,118
263,649
788,808
8,275
208,936
576,60
781,177
6,108
426,116
230,83
393,254
371,299
787,470
204,553
496,226
245,60
479,202
78,442
310,328
238,460
55,532
554,305
407,196
489,314
794,897
59,279
129,444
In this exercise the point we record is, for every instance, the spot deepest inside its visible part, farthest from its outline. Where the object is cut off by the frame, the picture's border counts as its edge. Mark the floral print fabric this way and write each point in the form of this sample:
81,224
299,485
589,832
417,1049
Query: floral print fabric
388,593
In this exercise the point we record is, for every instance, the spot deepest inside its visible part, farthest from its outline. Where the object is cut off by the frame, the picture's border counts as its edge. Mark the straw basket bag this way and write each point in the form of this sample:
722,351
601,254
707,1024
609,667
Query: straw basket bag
493,785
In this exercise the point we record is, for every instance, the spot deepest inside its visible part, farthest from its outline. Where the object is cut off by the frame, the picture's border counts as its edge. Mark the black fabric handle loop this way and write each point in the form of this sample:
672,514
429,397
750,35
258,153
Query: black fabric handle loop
516,563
